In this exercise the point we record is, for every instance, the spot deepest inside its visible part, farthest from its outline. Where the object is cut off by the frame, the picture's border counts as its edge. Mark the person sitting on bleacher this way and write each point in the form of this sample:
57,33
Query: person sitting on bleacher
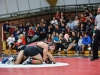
74,41
48,39
54,21
79,46
16,34
86,42
56,40
71,24
11,41
20,41
64,43
30,34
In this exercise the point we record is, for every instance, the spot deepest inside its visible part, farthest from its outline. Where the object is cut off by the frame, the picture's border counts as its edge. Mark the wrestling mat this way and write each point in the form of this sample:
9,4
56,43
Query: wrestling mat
32,66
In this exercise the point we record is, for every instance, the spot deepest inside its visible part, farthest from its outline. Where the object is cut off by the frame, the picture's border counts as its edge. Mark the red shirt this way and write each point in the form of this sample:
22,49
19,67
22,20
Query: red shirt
30,32
83,19
57,16
23,41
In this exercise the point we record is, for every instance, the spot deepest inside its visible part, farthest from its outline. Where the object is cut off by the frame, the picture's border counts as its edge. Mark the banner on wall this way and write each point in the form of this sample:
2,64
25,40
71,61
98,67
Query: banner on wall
52,2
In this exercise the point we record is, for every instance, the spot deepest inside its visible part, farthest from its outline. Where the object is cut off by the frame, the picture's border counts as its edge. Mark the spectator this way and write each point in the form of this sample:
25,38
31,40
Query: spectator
37,33
18,43
86,42
76,21
79,46
43,32
24,31
56,40
20,27
11,41
78,29
15,32
82,27
66,36
16,35
33,27
92,17
6,28
38,27
27,26
57,29
48,39
82,19
89,28
54,22
71,25
88,18
30,33
36,36
67,28
86,12
74,41
57,16
42,22
64,43
49,30
62,19
62,28
23,41
53,34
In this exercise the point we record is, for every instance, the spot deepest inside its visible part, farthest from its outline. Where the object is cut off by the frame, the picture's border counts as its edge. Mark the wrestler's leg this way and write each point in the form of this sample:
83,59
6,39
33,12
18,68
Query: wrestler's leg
37,59
20,57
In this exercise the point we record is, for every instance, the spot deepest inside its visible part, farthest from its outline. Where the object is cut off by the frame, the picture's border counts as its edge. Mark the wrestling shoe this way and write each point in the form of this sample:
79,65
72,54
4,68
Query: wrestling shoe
11,60
4,60
28,61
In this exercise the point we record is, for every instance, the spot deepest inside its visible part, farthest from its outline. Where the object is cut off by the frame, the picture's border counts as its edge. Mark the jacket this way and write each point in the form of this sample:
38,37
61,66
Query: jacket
86,40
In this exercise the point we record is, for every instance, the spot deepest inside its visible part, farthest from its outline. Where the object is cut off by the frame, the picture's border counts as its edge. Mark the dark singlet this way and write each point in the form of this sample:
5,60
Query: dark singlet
33,51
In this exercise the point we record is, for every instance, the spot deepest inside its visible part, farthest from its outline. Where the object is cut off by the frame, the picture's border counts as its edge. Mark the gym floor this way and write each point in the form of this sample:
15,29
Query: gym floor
77,66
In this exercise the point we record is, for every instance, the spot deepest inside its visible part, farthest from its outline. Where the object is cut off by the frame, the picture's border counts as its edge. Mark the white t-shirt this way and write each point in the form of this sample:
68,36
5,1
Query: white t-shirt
54,22
76,22
10,40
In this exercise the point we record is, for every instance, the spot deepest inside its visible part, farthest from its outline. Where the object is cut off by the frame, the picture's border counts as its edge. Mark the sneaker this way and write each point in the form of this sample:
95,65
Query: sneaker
89,48
10,60
28,61
4,60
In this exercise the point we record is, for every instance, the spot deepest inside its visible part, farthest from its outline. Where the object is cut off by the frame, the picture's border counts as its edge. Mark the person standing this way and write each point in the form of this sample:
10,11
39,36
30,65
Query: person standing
97,37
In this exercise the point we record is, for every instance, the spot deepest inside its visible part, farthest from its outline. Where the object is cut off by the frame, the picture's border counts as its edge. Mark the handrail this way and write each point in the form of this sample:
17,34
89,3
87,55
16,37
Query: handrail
29,11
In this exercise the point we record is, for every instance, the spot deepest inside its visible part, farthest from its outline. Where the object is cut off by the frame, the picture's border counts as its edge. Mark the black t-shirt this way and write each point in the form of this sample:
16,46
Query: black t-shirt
75,38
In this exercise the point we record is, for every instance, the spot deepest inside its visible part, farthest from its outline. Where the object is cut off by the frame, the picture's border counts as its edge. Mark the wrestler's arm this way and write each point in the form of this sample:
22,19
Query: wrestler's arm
51,58
45,49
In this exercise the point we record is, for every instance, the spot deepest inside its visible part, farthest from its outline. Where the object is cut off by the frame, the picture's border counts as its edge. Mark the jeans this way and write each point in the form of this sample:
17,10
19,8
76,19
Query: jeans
78,48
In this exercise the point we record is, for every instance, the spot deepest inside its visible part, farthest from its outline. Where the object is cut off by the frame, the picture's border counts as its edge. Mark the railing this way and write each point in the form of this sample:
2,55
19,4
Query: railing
45,10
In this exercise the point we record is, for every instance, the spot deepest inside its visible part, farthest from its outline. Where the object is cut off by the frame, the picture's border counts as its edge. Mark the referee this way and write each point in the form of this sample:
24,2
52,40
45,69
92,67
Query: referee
97,37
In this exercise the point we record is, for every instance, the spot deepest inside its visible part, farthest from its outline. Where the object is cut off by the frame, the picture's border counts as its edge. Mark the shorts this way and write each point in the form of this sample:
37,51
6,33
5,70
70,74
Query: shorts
30,51
73,45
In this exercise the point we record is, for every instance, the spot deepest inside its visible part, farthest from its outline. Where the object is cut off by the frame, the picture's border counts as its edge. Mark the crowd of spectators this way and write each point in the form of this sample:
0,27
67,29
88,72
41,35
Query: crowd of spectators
77,33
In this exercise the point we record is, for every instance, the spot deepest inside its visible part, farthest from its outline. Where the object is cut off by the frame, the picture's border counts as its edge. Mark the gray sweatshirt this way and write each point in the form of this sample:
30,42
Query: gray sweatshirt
79,42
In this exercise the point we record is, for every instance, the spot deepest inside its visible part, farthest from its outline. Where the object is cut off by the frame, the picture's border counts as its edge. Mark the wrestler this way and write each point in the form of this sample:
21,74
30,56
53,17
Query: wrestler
35,54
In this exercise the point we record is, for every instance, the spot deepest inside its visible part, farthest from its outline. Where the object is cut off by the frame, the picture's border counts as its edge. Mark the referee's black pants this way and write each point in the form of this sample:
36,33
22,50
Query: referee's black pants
96,44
